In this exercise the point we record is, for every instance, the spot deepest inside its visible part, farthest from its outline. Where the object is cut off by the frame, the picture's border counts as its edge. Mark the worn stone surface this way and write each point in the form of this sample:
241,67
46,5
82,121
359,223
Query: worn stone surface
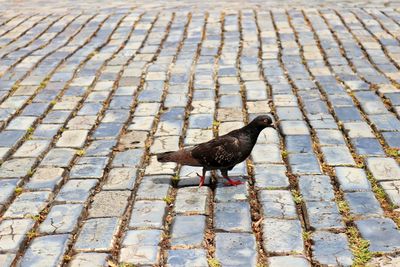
187,257
188,231
282,236
242,245
46,251
331,249
90,92
97,234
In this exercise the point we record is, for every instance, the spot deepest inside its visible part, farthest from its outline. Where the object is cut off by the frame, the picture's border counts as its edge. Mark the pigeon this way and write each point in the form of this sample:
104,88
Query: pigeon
221,153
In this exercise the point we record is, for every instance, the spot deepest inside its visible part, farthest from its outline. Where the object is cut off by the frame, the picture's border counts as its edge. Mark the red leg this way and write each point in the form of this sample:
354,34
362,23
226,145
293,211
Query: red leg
232,182
201,179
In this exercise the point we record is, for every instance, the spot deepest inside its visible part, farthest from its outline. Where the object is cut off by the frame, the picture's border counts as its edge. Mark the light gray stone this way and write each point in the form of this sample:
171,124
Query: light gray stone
188,231
97,234
109,204
28,204
187,258
89,260
148,214
61,219
192,200
331,249
282,236
46,251
13,233
241,245
232,216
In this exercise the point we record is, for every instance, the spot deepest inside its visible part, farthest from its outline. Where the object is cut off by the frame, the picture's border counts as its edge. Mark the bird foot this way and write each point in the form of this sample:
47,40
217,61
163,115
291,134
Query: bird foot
233,183
201,179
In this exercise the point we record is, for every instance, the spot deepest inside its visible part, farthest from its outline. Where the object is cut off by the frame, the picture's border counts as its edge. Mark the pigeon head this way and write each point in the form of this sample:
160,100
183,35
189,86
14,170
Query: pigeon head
262,121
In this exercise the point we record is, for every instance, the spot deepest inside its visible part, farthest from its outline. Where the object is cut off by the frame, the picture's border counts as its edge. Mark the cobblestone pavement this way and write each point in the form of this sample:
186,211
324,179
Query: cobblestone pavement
89,94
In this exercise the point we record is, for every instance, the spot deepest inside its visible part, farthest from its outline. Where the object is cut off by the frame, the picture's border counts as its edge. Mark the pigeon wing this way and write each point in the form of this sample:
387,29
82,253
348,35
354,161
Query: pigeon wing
219,152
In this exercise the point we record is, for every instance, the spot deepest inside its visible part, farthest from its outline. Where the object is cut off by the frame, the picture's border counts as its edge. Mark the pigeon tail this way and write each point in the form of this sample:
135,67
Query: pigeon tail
183,157
167,156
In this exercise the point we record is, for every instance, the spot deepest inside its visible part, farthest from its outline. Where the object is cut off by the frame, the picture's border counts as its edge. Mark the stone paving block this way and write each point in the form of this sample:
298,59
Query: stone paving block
89,167
298,144
337,155
107,131
285,100
148,214
128,158
72,138
46,131
383,168
282,236
76,191
158,168
28,204
382,234
46,178
136,238
294,128
200,121
368,146
277,204
225,193
323,215
21,123
13,233
392,189
385,122
188,231
304,163
187,257
32,148
192,200
270,176
266,153
363,204
89,259
46,251
56,117
392,139
321,185
7,189
358,130
59,157
165,144
133,139
18,167
331,249
61,219
352,179
268,136
242,245
100,148
10,138
7,259
232,216
141,123
109,204
289,113
171,127
278,261
153,188
97,234
120,179
226,127
330,138
348,114
80,123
